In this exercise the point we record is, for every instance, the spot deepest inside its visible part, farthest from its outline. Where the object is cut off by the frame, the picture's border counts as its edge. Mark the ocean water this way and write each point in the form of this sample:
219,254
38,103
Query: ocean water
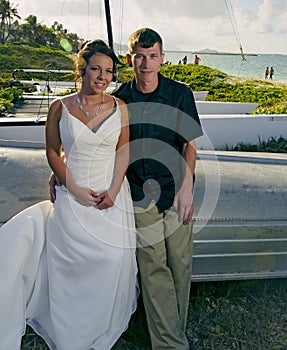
253,67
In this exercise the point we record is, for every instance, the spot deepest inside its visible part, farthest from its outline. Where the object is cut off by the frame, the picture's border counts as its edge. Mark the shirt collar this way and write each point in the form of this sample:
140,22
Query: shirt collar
161,91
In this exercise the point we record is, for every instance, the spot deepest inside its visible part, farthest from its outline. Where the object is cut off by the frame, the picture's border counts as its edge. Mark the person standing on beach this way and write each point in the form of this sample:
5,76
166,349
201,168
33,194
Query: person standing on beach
163,125
184,60
266,73
271,73
196,59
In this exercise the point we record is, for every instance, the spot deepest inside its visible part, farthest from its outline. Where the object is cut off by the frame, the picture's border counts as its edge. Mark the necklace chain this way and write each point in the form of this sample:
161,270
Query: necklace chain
88,114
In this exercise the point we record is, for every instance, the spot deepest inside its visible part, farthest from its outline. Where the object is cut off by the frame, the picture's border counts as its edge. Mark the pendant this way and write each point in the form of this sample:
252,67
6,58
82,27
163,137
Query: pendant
87,114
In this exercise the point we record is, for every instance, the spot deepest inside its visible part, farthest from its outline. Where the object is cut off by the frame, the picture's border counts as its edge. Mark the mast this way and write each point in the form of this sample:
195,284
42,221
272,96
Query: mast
109,23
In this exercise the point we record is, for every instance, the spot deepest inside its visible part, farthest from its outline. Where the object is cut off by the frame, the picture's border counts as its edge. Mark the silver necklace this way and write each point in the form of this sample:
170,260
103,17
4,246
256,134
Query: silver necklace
88,114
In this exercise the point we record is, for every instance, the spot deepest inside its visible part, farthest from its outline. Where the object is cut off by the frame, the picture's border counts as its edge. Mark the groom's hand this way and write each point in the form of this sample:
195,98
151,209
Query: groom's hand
53,181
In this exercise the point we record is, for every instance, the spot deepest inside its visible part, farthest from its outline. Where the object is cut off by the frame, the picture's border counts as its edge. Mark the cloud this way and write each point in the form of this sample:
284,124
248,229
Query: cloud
183,24
183,8
56,9
271,17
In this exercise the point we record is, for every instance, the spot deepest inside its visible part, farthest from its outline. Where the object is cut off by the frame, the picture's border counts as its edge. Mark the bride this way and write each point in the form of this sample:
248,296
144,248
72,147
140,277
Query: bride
68,269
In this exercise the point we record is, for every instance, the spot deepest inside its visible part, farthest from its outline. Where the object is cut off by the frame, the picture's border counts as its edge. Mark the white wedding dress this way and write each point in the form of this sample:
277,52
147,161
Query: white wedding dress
69,270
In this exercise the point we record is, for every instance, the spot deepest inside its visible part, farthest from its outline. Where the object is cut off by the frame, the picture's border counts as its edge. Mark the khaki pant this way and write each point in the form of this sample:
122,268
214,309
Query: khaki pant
164,256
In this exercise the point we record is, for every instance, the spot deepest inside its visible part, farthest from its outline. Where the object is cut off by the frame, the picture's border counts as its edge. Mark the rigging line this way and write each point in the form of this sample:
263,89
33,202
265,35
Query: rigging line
88,34
121,25
232,20
62,10
101,18
234,26
240,68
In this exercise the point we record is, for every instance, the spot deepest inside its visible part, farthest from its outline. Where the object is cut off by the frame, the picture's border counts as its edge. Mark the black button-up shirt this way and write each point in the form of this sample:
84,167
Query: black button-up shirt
161,123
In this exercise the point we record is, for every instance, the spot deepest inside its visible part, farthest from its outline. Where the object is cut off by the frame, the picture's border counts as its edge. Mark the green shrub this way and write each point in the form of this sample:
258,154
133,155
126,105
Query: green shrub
7,97
23,56
272,145
270,96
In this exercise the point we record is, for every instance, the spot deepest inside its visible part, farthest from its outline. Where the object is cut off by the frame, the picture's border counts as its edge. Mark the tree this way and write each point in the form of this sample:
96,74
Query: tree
67,41
8,13
33,33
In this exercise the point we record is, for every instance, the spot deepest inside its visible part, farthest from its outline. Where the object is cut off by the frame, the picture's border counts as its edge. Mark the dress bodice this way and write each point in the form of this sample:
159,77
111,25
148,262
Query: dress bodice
90,155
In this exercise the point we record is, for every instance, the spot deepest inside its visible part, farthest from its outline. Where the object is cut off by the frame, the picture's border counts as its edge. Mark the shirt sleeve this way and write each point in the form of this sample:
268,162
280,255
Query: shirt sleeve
189,126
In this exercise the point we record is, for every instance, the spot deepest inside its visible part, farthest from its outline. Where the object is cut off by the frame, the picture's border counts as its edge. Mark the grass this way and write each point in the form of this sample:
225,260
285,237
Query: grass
16,56
271,96
246,315
232,315
272,145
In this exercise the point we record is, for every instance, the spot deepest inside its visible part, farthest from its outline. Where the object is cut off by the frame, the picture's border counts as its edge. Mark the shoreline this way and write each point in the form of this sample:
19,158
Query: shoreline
254,64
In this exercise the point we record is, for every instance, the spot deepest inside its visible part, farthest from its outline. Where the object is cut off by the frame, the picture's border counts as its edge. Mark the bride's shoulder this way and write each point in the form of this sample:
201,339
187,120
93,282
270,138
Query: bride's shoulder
68,99
117,100
123,109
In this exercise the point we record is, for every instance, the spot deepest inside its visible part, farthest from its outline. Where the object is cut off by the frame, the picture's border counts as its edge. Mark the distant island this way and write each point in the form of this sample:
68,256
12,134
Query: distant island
124,48
212,52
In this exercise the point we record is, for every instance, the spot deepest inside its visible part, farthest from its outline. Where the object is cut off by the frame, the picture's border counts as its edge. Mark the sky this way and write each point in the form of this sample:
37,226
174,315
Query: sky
259,26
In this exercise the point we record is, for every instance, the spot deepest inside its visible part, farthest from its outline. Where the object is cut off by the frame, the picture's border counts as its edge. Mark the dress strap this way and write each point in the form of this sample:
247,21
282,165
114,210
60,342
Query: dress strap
64,107
116,101
63,104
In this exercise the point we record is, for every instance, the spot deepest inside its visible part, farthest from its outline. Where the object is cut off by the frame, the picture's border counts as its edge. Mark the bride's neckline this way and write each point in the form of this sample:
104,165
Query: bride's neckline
97,126
89,114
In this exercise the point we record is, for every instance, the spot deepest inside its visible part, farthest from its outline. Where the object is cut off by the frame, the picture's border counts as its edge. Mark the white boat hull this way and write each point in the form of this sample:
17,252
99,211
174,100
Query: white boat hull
229,130
22,132
219,108
240,216
225,124
219,131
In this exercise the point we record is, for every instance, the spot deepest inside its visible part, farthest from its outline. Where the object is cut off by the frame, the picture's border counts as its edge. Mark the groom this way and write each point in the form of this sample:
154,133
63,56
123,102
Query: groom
163,125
